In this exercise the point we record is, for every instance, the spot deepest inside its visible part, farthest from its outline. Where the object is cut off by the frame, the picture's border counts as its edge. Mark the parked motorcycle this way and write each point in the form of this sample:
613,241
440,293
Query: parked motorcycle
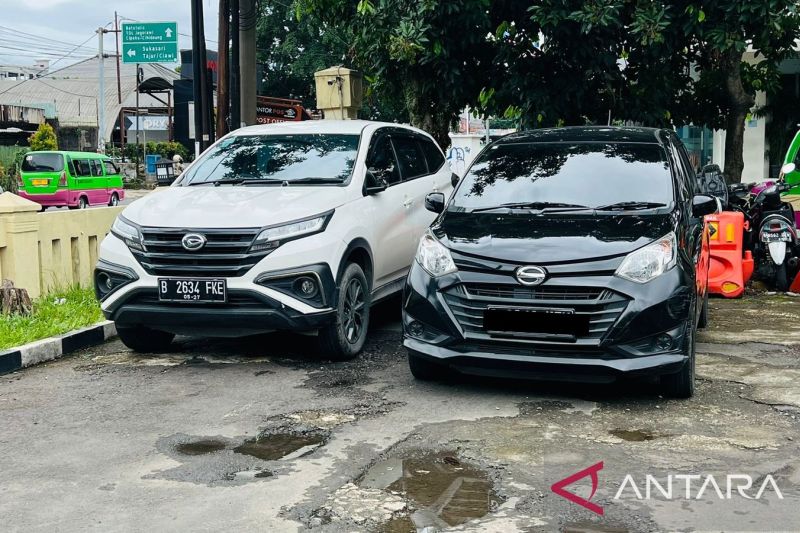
770,230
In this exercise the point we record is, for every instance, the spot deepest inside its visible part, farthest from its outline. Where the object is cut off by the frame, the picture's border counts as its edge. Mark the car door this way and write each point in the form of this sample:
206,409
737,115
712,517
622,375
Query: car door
386,213
417,183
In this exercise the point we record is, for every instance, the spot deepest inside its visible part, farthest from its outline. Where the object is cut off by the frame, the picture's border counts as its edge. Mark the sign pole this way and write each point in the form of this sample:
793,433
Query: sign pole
137,121
101,101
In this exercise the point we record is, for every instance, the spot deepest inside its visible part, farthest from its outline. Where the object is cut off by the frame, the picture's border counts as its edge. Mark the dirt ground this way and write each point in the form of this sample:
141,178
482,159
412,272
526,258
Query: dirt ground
256,435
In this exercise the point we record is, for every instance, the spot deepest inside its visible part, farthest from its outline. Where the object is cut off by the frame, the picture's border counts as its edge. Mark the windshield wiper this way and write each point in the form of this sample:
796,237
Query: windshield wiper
632,206
538,206
233,181
312,179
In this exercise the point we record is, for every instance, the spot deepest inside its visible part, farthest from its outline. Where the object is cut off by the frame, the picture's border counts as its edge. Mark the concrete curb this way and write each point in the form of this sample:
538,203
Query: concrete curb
54,347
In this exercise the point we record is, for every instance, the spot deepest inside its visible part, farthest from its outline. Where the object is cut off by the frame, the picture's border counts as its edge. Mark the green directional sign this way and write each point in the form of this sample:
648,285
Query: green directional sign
149,42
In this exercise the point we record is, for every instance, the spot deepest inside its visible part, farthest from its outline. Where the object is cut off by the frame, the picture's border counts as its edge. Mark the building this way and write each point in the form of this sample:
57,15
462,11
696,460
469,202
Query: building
69,98
18,73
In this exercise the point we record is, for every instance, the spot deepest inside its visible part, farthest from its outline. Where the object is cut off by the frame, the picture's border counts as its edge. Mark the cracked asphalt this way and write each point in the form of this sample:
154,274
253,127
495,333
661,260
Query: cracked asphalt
260,435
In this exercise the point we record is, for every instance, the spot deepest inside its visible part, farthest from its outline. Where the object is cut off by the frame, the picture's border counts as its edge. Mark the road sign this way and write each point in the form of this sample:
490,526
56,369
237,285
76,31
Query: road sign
149,42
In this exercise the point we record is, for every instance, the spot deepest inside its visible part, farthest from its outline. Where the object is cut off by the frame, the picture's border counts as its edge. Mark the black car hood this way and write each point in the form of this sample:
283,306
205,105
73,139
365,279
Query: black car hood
550,238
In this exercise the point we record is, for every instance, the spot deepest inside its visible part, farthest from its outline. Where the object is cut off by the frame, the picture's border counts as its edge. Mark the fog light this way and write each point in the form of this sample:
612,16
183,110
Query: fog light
306,287
105,282
416,329
663,342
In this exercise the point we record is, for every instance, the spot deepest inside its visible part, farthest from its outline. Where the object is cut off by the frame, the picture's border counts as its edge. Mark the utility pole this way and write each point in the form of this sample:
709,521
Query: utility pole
101,100
199,79
235,89
119,87
247,60
222,69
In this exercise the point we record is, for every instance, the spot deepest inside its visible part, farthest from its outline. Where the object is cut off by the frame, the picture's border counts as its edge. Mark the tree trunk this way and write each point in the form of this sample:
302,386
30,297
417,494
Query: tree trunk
434,119
14,301
740,103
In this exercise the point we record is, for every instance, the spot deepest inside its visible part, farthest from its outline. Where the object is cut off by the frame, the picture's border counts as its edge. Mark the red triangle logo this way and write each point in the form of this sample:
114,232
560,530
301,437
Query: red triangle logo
558,487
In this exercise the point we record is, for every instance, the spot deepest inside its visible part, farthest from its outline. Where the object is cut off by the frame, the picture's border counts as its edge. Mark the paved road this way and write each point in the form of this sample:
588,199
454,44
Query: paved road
258,435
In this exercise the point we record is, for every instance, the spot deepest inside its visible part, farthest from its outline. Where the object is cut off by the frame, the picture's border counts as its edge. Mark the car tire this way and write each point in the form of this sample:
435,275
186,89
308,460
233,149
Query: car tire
83,203
114,201
144,340
681,383
424,369
703,321
344,338
781,278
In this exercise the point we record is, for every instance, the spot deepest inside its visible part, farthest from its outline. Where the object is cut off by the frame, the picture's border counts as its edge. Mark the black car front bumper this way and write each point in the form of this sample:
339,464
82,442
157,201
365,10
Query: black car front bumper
629,322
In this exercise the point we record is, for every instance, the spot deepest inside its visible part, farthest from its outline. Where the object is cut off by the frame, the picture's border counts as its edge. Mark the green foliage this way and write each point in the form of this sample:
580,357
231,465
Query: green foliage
53,314
44,138
10,160
134,152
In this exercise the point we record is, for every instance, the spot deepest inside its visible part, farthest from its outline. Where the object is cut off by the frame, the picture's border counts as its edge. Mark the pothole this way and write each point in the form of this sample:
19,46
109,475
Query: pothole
445,490
634,435
276,446
200,447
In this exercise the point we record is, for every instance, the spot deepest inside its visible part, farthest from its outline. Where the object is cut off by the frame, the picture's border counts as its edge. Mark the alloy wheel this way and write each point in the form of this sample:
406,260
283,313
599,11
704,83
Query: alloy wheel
353,311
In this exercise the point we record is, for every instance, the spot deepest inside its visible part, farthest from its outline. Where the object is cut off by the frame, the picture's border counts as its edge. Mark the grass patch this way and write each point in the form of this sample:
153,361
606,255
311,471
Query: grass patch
53,314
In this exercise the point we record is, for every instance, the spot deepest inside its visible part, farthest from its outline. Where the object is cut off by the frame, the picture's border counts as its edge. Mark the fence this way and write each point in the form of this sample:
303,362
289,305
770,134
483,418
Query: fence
43,251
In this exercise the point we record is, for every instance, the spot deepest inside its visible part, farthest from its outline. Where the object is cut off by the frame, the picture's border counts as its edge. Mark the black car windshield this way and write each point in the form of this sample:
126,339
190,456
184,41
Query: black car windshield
567,177
43,162
308,158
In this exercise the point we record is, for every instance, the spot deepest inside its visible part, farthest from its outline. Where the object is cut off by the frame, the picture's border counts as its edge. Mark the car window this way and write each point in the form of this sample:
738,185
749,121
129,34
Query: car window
111,168
433,155
43,163
307,157
83,167
682,171
97,167
410,156
586,174
381,160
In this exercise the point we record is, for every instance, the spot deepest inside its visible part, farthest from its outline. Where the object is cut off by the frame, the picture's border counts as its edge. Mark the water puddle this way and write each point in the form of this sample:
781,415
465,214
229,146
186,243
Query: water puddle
280,446
445,490
200,447
634,435
591,527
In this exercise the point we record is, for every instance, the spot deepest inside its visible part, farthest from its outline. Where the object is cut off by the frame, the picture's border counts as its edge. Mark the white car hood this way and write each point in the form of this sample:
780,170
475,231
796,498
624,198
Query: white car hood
232,206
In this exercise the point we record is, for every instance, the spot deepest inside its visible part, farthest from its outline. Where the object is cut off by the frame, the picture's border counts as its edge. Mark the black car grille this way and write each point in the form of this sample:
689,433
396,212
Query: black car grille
225,254
468,302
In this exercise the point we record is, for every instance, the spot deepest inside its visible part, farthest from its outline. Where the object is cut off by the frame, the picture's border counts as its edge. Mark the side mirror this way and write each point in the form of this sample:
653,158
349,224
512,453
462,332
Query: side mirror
454,179
788,168
434,202
703,205
374,184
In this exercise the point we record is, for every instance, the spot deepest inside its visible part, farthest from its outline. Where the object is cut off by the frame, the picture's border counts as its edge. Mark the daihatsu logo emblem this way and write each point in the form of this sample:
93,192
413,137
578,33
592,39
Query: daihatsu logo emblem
531,275
193,241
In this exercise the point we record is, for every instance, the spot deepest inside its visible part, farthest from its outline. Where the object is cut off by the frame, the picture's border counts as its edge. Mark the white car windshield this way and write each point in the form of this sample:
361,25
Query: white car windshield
281,159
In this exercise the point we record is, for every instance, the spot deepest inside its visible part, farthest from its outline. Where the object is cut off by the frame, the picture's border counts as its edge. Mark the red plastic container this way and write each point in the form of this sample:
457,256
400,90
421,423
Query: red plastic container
731,266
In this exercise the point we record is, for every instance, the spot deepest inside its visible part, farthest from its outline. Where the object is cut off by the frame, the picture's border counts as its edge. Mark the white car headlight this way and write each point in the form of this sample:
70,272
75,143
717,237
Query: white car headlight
273,237
128,232
433,257
650,261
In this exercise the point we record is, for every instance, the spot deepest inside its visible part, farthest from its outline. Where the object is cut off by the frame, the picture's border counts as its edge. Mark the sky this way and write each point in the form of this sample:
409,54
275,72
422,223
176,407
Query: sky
71,22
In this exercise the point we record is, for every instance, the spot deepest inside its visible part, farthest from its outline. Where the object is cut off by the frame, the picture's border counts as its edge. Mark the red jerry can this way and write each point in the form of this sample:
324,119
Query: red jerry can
731,266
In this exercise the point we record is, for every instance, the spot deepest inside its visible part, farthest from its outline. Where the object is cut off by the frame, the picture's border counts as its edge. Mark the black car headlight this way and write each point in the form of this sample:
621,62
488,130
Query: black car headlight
128,232
273,236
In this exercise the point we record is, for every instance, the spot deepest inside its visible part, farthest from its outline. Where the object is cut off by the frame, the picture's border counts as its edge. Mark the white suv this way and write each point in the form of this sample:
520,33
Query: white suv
292,226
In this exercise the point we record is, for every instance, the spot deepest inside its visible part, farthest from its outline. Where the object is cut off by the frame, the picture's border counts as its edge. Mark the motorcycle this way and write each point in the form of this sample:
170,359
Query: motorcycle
770,229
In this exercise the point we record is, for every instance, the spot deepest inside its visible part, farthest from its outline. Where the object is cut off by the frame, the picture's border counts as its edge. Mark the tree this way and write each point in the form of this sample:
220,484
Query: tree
44,138
424,56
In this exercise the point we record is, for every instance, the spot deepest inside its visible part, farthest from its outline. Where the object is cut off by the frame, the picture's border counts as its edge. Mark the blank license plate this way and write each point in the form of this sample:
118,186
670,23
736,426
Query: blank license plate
192,290
536,321
40,183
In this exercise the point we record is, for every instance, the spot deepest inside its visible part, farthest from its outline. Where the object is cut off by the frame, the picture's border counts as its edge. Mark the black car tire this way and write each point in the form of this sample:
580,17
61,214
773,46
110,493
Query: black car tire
424,369
144,340
681,383
703,321
114,200
781,278
344,338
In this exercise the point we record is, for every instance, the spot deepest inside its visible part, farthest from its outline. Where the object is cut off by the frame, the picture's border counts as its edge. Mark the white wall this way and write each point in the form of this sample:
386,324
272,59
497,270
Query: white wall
756,165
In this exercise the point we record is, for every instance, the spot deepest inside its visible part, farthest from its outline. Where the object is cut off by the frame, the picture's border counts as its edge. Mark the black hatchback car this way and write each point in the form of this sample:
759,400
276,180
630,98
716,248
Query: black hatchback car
575,254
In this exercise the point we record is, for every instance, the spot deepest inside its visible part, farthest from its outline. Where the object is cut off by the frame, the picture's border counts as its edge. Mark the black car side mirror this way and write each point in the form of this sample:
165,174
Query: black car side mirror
434,202
374,184
703,205
454,179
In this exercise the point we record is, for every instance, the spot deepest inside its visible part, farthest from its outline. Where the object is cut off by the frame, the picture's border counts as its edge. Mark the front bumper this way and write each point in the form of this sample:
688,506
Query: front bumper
261,300
442,321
